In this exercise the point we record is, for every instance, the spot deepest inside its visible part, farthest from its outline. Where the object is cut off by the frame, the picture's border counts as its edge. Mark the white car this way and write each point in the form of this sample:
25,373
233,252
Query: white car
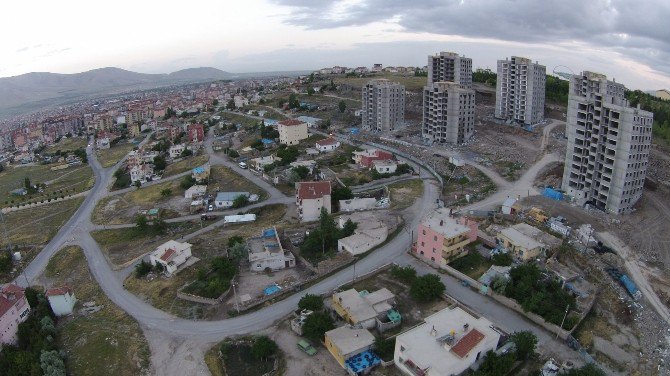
243,165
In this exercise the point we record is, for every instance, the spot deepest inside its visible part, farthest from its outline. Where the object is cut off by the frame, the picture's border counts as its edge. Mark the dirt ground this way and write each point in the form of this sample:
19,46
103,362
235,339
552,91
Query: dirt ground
253,283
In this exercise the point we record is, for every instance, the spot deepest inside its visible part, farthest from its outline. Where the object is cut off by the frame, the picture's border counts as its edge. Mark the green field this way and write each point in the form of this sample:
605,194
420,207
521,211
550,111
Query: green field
109,157
185,165
68,181
403,194
107,342
67,144
38,225
411,82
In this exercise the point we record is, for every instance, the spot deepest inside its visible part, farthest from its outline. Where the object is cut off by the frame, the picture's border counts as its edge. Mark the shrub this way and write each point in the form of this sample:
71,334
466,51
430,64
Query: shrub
311,302
427,288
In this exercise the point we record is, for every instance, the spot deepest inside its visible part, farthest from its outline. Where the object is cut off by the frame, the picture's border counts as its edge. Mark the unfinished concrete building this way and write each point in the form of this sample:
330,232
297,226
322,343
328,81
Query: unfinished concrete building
520,90
383,105
448,113
608,144
449,66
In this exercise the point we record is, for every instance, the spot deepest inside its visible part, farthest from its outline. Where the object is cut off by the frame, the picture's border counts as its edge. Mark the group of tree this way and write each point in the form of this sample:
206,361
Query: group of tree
660,108
324,237
169,112
485,76
122,178
36,352
319,322
211,284
543,296
425,288
288,154
556,90
6,262
157,226
263,348
240,201
237,250
187,182
269,132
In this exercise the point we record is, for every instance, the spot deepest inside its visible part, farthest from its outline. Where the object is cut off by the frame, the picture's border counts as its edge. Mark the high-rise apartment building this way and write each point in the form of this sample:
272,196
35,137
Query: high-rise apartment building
448,66
608,144
383,105
520,90
448,113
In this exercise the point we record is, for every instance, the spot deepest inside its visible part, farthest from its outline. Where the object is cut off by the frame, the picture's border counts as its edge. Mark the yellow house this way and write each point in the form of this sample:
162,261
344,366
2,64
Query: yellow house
346,341
291,131
517,241
362,308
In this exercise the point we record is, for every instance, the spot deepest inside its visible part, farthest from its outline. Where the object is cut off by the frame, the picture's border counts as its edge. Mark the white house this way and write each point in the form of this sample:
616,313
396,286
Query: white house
447,343
329,144
61,300
103,143
141,172
369,233
195,191
266,251
225,199
176,150
385,166
171,255
311,197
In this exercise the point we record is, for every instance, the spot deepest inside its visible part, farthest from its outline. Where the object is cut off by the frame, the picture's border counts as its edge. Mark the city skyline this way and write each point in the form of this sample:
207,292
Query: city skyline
279,35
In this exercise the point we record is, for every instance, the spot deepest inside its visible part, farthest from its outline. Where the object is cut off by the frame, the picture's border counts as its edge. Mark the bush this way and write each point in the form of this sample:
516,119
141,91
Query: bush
525,344
187,182
502,259
263,348
142,269
311,302
405,274
240,201
427,288
316,325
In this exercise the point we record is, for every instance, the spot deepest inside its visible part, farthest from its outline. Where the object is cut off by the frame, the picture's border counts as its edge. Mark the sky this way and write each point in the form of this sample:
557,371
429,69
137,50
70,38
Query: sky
627,40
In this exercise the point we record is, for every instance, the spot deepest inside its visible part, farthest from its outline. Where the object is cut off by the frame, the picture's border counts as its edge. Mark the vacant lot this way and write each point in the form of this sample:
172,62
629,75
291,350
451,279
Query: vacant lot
410,82
67,144
185,165
122,246
70,180
226,180
463,181
109,157
238,359
38,225
106,342
403,194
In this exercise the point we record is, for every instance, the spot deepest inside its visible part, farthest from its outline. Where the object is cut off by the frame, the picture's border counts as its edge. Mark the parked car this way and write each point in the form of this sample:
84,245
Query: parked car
243,165
306,347
210,208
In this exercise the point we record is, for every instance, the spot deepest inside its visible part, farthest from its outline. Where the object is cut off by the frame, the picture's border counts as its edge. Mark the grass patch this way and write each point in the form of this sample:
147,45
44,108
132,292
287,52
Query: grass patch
38,225
67,144
60,182
109,157
410,82
405,193
224,179
473,264
106,342
185,165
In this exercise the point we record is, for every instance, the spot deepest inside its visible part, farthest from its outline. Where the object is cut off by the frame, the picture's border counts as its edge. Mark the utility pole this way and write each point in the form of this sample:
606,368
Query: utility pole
237,307
567,308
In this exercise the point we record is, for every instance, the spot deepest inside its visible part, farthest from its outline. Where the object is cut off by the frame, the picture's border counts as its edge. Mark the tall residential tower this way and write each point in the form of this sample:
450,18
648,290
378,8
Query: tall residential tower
448,66
448,113
608,144
520,90
383,105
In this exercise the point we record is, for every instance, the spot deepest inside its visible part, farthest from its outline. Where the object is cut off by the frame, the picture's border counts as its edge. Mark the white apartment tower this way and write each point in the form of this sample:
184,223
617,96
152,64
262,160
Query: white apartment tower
448,113
520,90
383,105
608,144
448,66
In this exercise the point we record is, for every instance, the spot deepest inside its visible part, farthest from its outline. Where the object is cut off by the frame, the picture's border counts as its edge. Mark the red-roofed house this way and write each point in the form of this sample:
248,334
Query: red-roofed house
447,343
61,300
329,144
366,158
196,133
14,309
311,196
171,255
291,131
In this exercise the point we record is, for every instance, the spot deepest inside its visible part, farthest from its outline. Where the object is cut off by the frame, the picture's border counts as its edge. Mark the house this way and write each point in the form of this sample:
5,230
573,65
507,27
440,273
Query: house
196,133
14,309
201,173
370,232
291,131
259,163
266,251
61,300
526,242
447,343
385,166
310,164
195,191
141,172
363,308
311,197
441,239
328,144
510,206
311,121
347,342
226,199
103,142
171,255
176,150
366,157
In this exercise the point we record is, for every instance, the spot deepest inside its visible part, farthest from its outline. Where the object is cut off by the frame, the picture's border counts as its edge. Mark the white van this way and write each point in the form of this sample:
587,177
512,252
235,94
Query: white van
243,165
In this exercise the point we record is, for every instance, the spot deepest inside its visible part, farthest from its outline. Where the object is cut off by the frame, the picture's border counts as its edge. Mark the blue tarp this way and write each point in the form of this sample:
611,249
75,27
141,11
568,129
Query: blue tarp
355,131
552,194
267,141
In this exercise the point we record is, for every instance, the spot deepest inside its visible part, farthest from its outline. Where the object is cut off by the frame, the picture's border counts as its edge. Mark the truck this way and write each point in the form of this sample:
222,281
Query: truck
626,282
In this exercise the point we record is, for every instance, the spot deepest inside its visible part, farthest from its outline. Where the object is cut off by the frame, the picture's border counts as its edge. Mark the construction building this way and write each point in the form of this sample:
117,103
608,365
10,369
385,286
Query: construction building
383,105
608,144
520,90
448,113
449,66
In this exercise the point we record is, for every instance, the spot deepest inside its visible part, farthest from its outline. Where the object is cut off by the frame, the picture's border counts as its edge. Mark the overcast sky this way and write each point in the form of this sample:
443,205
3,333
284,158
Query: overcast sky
625,39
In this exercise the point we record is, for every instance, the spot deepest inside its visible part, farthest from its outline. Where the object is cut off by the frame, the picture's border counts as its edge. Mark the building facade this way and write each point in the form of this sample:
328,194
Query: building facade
383,105
449,66
608,144
520,90
291,131
61,300
448,113
14,309
441,239
311,197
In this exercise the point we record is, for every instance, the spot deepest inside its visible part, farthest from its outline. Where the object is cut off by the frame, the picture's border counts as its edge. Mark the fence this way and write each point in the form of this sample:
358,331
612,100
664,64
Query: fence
209,301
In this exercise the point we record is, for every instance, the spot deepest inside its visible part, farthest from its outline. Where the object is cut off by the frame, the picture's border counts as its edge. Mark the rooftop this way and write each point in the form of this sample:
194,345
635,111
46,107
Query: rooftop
230,196
519,238
291,122
362,306
312,189
349,340
55,291
327,141
9,295
440,222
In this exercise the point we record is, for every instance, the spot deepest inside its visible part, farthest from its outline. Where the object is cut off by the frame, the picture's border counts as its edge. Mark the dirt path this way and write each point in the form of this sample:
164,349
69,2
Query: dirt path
636,273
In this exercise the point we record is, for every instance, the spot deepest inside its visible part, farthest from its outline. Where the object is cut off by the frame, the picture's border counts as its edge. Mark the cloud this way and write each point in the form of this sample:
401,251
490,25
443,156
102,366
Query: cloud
635,29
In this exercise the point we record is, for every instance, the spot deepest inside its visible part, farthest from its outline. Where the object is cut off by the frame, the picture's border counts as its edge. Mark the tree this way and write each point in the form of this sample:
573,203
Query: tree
237,251
316,325
427,288
348,229
341,193
236,239
142,269
525,342
301,172
288,154
187,182
405,274
263,348
166,192
240,201
141,223
293,101
27,185
502,259
159,163
258,145
51,363
588,370
385,347
495,365
5,261
186,153
310,91
47,325
215,102
311,302
342,106
230,105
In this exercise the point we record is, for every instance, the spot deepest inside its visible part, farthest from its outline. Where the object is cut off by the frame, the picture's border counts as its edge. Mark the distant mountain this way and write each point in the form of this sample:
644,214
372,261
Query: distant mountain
32,91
